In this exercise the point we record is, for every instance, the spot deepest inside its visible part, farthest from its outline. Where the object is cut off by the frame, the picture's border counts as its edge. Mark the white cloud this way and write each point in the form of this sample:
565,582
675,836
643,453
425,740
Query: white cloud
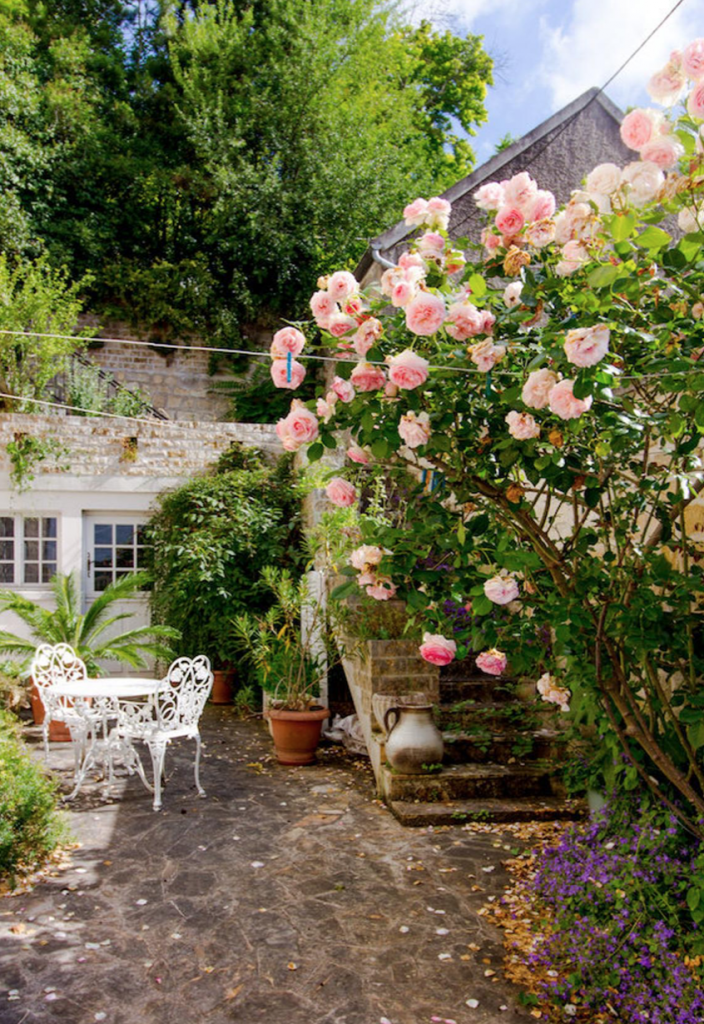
466,12
597,36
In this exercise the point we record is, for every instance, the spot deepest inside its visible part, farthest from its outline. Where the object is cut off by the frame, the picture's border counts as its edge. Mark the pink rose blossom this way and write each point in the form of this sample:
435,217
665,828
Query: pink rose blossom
408,370
342,285
509,220
382,589
425,313
645,180
298,428
323,305
537,388
485,355
454,261
415,213
549,691
366,377
490,240
402,294
408,260
512,294
541,206
390,278
520,190
437,650
492,662
287,376
438,215
667,85
490,196
288,339
353,306
339,324
604,179
688,219
488,321
501,589
574,254
366,335
540,233
665,150
586,346
563,403
358,455
414,429
343,389
325,408
522,426
431,243
341,492
637,128
464,321
366,556
693,60
695,102
390,390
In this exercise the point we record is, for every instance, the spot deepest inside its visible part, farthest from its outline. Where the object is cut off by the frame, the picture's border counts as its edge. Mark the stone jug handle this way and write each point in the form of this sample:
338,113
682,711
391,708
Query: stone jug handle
388,712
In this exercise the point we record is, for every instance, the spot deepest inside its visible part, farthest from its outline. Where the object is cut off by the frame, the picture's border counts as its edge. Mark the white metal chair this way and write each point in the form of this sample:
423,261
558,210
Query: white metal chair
174,713
60,664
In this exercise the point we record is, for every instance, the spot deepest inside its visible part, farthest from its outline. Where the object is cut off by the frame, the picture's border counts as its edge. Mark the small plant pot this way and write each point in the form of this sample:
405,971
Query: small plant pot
36,703
223,686
296,734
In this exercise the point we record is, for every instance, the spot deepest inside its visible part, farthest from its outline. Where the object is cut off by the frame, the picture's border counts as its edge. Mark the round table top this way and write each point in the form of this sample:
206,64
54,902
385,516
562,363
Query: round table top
108,686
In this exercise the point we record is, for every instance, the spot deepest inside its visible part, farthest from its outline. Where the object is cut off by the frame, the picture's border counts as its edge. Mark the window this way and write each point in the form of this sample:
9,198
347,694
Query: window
118,548
28,549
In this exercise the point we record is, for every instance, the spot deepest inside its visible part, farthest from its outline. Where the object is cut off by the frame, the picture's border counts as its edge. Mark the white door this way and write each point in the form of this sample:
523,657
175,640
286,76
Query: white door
113,547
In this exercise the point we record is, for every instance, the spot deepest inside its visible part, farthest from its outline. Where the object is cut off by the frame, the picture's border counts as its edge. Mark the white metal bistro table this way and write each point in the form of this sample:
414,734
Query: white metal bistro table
91,748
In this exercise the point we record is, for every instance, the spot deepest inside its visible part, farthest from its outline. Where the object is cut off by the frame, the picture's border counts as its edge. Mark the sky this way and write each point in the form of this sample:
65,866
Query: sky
551,51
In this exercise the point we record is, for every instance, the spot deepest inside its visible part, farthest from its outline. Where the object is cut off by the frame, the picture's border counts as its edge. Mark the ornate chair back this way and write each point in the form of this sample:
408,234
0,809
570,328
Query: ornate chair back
56,664
183,693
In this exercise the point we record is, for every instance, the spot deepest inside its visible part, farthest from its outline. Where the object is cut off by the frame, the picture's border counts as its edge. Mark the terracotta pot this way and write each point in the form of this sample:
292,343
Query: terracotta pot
296,734
223,686
58,731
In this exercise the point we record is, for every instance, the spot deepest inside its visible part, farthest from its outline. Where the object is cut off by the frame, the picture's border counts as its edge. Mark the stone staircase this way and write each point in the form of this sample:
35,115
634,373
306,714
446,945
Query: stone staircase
503,751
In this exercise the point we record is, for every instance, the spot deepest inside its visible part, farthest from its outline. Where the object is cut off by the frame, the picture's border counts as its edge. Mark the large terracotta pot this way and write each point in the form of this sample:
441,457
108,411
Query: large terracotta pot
296,734
58,731
223,686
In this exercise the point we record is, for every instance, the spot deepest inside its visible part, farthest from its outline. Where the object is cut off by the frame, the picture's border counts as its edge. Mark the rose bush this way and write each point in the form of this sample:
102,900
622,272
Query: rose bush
554,389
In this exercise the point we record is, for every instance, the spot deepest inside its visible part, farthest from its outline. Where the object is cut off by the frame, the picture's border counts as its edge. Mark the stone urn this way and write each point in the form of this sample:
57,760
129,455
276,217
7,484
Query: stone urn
413,740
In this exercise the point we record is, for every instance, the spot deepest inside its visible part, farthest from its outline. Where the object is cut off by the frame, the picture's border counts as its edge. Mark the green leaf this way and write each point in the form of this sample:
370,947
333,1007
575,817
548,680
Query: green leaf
461,533
694,896
653,238
315,452
380,448
604,276
344,590
328,440
477,285
481,605
695,735
622,227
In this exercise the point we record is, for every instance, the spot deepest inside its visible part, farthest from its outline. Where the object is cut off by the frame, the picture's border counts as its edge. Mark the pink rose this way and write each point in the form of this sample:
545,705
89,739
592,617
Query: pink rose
381,589
541,206
408,370
288,339
490,240
509,220
665,150
431,243
550,691
353,306
501,589
437,650
540,233
485,355
512,294
425,313
438,213
586,346
667,85
402,294
536,390
492,662
695,102
323,305
365,556
342,284
415,213
574,254
520,190
637,128
563,403
285,376
522,425
390,278
301,423
414,429
688,219
343,389
464,321
366,377
488,321
325,408
366,335
454,261
390,390
645,180
693,60
411,260
490,196
358,455
604,179
341,492
339,324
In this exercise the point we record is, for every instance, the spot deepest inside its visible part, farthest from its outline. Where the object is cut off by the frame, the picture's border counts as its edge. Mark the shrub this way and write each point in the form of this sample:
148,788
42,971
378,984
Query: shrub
30,828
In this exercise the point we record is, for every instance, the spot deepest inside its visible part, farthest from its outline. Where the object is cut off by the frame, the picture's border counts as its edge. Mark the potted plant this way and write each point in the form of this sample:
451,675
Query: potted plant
85,632
287,647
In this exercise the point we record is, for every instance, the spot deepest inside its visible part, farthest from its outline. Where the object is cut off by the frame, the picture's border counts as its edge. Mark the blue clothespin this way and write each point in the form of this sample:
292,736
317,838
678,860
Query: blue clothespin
289,361
487,389
424,477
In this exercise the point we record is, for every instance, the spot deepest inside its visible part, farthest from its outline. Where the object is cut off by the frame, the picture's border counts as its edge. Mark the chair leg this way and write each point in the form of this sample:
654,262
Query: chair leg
45,735
158,751
201,791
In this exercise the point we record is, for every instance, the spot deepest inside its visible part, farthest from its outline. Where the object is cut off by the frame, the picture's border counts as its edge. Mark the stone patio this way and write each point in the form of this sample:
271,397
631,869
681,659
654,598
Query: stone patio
287,895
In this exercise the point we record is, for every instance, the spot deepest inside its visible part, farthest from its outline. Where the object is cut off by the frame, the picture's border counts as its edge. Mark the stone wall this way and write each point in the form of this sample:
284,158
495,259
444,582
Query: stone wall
102,447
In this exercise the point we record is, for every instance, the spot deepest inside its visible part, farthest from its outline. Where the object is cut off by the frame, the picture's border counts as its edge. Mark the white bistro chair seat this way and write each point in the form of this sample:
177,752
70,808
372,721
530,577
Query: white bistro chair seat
173,714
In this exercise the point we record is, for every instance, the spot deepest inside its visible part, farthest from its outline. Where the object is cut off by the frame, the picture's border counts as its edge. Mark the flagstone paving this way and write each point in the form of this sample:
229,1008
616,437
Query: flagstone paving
289,896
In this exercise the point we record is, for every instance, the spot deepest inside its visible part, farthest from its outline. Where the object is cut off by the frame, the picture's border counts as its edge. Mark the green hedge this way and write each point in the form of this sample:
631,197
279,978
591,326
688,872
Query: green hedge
30,827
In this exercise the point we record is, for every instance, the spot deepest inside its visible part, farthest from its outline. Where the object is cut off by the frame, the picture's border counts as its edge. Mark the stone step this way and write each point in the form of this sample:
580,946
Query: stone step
458,812
478,688
483,745
502,716
468,782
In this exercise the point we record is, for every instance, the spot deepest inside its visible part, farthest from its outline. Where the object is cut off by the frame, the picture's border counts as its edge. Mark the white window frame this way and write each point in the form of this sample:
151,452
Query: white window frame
20,538
90,519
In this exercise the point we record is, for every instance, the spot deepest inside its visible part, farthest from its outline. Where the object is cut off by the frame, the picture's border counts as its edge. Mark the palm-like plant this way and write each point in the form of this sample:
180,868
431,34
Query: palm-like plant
85,632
